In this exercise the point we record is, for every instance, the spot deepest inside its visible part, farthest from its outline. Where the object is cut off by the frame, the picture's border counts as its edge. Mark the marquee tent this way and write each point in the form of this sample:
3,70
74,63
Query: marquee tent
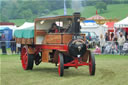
91,26
109,26
26,25
25,31
96,17
8,34
122,24
12,26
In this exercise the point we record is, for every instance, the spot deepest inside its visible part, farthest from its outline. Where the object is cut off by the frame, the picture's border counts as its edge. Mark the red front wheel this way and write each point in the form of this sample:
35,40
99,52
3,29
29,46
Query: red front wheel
60,64
91,64
26,59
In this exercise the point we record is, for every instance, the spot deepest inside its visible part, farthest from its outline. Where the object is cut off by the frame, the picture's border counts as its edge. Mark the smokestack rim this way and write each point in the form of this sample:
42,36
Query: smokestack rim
76,14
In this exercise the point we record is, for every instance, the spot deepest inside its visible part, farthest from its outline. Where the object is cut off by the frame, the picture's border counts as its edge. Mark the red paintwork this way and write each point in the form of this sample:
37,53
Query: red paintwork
24,58
76,62
53,47
6,23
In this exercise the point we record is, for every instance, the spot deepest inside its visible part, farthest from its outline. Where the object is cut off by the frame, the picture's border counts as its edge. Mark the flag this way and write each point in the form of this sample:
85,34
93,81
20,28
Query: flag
96,12
65,9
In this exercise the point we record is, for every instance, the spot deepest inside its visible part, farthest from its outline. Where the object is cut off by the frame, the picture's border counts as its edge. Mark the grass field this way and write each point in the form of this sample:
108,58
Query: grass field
19,22
110,70
113,11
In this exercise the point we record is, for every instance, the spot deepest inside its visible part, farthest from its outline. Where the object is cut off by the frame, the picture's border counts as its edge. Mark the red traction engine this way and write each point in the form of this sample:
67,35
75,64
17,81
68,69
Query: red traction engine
65,49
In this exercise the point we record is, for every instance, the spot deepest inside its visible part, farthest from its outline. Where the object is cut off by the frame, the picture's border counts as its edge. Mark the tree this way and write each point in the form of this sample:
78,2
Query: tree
27,14
3,18
101,6
28,9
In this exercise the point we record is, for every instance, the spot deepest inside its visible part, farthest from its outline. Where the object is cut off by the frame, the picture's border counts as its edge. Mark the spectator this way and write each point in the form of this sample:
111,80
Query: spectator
18,48
102,43
0,41
116,42
127,37
3,44
106,37
112,36
97,50
121,41
115,39
13,45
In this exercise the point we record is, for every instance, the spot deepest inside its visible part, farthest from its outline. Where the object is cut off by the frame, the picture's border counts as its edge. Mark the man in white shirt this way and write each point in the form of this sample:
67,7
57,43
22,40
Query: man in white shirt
121,40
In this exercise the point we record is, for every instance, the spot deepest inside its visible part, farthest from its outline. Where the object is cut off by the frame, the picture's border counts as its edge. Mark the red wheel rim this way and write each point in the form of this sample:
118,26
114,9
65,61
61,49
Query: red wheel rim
90,65
24,58
59,65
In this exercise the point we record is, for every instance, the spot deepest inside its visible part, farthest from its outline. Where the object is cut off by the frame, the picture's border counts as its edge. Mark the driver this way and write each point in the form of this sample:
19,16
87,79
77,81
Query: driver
69,25
54,29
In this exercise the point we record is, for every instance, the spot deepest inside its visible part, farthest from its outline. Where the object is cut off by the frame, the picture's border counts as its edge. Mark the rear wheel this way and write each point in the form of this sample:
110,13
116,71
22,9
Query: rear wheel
91,64
60,64
26,59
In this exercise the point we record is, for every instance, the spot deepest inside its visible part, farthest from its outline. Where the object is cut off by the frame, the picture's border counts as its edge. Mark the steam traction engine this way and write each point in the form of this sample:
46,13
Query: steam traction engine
65,49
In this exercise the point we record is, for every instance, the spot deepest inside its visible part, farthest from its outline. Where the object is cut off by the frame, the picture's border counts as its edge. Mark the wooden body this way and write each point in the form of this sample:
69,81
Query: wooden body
43,38
49,39
28,41
58,38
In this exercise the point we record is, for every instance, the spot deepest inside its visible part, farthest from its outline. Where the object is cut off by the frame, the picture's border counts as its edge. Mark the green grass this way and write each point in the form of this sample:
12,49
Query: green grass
113,11
19,22
118,11
8,51
110,70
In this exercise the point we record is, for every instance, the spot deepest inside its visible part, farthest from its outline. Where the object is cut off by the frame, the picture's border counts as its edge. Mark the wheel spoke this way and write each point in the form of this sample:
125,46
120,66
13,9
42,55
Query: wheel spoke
24,58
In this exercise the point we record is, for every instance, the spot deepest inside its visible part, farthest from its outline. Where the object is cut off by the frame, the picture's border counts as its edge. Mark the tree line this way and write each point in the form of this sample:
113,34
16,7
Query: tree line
28,9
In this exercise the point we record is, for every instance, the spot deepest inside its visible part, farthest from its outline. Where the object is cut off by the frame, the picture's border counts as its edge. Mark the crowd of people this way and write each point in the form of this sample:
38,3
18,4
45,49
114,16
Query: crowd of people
15,48
115,42
109,43
3,44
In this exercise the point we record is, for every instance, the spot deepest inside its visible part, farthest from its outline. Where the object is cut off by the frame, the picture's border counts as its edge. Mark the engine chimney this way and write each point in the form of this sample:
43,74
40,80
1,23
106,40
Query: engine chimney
76,22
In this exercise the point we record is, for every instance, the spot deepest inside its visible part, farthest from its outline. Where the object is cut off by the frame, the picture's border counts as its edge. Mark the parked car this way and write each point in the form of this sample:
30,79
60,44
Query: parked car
92,39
